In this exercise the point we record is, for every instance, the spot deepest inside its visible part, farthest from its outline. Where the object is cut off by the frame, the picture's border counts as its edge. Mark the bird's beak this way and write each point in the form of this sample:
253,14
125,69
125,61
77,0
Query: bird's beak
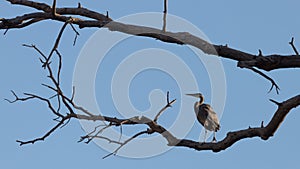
194,95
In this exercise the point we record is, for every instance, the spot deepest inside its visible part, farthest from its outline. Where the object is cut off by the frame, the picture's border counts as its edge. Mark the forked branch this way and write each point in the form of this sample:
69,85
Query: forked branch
169,104
293,46
95,19
102,21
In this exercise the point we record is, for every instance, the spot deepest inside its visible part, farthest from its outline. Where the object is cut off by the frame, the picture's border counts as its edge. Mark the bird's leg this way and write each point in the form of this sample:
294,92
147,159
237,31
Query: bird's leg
214,139
205,133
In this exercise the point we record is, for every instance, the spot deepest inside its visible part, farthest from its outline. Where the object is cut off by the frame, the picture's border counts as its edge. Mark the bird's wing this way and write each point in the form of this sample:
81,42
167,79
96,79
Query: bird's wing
211,116
207,108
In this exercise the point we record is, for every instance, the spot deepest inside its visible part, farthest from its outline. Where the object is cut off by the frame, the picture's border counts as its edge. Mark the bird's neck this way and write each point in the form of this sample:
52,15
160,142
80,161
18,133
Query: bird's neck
201,100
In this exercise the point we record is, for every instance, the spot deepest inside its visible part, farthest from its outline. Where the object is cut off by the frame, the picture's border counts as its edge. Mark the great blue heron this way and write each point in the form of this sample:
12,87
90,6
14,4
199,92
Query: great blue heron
206,115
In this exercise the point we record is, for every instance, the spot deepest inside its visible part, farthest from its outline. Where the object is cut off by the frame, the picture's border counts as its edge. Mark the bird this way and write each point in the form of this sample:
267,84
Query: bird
206,116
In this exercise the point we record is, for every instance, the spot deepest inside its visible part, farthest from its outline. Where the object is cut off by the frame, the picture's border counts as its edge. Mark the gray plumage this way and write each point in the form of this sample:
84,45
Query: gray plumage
206,116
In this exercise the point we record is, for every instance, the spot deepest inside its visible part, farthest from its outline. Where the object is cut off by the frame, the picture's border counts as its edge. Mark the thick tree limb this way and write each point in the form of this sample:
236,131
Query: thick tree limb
232,137
270,62
245,60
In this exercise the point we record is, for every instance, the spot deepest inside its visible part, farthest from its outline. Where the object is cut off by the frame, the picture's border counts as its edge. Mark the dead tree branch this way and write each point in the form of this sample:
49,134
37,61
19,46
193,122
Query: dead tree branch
90,137
232,137
268,78
127,141
164,108
293,46
245,60
271,62
54,8
267,63
66,118
165,15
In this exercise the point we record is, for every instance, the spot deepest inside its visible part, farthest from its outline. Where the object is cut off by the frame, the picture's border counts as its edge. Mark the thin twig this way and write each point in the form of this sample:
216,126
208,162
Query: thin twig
76,34
293,46
6,30
54,8
33,96
108,139
59,66
51,75
164,22
260,52
90,133
47,134
121,133
55,46
37,49
169,104
165,6
97,134
123,144
17,98
71,100
73,93
81,109
277,103
68,120
268,78
165,15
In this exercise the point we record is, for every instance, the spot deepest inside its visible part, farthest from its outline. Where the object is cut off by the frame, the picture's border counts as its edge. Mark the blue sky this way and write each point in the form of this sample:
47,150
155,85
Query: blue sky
247,26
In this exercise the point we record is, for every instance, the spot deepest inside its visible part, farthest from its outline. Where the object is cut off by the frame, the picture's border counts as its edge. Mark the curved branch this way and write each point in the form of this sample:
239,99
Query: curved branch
263,132
246,60
268,63
127,141
274,84
61,122
232,137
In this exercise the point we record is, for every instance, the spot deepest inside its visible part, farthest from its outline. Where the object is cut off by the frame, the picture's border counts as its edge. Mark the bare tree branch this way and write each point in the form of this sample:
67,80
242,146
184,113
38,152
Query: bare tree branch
127,141
169,104
268,78
232,137
54,8
76,34
17,98
91,137
271,62
165,6
165,15
245,60
55,44
293,46
46,135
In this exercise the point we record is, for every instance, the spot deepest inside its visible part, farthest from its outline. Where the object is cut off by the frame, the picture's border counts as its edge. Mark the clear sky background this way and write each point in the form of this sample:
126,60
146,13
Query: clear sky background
247,26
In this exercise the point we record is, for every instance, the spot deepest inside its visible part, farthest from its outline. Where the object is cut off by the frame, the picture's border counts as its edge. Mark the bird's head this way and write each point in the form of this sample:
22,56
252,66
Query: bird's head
197,95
